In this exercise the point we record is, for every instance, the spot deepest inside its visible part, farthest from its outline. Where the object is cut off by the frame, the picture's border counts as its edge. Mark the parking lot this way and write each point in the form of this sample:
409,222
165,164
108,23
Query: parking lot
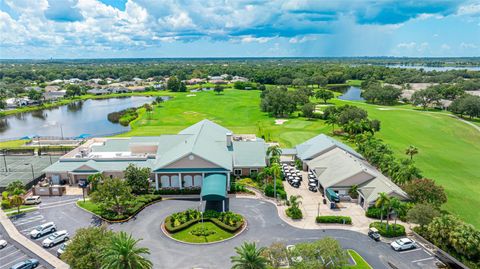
60,210
419,257
13,254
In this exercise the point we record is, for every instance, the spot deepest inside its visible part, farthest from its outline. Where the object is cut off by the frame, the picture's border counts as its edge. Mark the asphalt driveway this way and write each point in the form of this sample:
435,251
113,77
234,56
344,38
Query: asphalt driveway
264,226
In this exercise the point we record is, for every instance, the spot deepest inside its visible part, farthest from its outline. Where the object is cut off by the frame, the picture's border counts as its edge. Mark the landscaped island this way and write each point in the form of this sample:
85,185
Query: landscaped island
193,226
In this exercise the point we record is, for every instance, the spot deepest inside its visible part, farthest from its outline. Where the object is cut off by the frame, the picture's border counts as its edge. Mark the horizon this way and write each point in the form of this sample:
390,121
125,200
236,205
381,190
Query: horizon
107,29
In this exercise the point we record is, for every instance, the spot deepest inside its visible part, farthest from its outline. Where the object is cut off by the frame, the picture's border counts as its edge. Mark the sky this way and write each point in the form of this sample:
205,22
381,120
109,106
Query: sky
43,29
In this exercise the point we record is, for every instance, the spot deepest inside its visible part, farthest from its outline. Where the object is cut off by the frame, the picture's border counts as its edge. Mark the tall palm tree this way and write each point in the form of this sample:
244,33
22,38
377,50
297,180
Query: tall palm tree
123,253
276,172
382,202
411,150
397,207
274,151
249,257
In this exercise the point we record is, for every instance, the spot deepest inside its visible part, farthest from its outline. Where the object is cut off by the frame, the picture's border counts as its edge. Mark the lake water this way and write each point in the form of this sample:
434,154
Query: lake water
437,68
352,94
82,117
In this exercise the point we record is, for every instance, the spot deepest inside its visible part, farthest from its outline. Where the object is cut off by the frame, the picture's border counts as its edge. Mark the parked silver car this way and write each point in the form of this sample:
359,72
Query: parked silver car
55,238
43,229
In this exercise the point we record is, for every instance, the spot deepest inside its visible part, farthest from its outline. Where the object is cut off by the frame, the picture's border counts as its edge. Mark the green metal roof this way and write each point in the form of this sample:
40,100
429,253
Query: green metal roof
249,153
214,187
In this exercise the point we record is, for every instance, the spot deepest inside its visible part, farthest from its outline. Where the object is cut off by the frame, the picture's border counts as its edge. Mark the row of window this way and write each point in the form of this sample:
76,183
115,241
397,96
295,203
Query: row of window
238,172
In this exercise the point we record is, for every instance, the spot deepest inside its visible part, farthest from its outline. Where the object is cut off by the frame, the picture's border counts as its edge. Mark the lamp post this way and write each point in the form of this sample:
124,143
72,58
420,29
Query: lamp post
33,173
5,159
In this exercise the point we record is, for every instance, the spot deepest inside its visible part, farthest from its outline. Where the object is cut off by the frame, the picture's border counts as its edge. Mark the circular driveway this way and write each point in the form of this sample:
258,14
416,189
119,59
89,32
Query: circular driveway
264,226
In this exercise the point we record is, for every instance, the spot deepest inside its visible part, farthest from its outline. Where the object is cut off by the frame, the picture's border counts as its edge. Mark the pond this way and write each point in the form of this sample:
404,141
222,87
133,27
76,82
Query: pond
74,119
436,68
352,94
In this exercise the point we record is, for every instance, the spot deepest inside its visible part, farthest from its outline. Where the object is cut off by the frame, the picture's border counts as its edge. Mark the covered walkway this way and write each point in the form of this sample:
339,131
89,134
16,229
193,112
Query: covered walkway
214,189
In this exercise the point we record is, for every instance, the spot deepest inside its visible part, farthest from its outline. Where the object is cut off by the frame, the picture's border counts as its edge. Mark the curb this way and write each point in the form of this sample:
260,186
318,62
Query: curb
122,220
162,227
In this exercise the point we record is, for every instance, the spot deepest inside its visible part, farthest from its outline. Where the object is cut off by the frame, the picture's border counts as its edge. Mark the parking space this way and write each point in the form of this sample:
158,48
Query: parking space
12,254
60,210
419,257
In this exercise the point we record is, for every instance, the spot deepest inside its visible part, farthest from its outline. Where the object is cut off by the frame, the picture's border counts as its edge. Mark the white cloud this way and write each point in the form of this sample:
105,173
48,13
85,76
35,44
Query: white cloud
464,45
471,9
409,45
445,47
251,39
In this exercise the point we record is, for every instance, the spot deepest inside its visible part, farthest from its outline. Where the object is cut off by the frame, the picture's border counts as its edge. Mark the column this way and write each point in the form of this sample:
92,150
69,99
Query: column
156,181
228,181
223,205
180,178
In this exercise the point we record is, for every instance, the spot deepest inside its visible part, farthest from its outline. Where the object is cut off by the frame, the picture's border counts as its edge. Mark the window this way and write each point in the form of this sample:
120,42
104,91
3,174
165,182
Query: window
237,172
253,171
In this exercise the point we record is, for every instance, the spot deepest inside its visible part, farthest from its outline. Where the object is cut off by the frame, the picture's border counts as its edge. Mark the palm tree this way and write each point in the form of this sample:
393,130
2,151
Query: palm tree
353,192
94,180
411,150
295,200
122,253
274,151
249,257
382,201
276,171
16,201
396,207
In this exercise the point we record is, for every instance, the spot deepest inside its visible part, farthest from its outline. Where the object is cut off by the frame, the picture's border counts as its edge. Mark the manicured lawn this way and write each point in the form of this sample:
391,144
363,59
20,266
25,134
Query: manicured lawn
360,262
448,148
186,236
12,144
234,109
90,206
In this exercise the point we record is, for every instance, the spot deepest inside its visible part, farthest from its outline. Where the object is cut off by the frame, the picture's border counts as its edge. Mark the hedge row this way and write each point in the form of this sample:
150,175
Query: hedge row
171,229
334,219
394,230
228,228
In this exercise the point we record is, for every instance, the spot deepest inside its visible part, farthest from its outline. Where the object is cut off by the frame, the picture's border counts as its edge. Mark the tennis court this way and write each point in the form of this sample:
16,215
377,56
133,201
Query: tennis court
24,168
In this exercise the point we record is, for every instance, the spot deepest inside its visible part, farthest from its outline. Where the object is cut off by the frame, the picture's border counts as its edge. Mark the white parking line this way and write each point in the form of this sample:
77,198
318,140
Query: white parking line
428,252
57,205
42,205
10,254
7,247
412,250
421,260
27,220
14,261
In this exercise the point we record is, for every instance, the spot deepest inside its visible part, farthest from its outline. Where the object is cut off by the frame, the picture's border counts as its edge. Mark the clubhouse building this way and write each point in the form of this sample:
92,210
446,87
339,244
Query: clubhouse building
207,155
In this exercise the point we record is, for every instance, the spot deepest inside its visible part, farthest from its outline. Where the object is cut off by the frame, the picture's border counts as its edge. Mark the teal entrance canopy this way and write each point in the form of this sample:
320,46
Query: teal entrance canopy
214,187
332,195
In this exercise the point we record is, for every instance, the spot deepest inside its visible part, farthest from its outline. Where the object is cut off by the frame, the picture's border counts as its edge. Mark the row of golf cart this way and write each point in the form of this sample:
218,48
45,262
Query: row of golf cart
294,177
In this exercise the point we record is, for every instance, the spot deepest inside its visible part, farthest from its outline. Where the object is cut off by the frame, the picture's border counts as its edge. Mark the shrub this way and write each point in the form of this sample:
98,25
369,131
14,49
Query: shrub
174,191
171,229
375,213
227,227
211,214
6,204
201,231
294,213
334,219
269,190
394,230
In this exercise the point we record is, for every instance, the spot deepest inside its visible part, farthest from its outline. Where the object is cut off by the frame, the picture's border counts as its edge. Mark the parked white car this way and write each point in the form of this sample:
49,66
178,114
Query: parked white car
43,229
62,249
3,243
55,238
403,244
33,200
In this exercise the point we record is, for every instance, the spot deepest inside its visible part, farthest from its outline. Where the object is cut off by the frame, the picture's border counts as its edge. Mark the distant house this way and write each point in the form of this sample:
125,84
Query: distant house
54,95
159,86
98,91
194,81
52,88
17,102
57,81
238,78
118,89
35,88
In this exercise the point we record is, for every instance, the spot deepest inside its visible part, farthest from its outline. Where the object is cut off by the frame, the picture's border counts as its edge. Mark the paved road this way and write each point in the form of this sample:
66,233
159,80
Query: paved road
264,227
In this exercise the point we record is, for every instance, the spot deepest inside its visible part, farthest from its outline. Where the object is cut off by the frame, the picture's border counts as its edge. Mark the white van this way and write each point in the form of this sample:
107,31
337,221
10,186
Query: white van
33,200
